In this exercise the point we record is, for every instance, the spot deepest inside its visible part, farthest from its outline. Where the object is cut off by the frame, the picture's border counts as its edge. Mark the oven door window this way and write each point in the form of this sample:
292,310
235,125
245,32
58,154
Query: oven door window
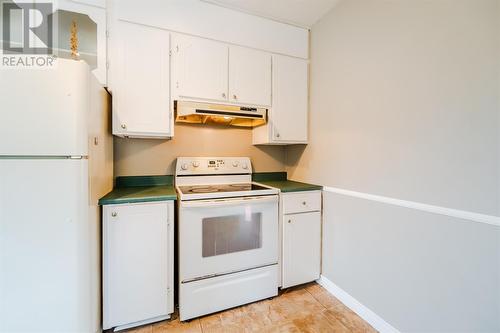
233,233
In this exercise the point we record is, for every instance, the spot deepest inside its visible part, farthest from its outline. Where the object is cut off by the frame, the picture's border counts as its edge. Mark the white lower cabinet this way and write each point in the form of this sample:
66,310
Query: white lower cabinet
301,233
138,263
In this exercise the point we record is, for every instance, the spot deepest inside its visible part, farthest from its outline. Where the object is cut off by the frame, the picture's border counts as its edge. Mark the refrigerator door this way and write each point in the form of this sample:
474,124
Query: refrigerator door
45,239
44,112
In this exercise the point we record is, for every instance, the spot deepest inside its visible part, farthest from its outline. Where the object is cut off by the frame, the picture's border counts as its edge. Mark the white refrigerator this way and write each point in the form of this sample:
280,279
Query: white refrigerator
56,160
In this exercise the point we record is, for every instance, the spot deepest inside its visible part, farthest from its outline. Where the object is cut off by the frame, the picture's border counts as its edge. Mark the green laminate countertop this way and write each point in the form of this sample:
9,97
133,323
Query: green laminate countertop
279,180
140,189
132,189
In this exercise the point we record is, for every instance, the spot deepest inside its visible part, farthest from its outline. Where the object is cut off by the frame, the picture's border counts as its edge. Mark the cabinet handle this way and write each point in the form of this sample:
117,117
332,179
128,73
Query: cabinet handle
223,95
289,221
114,214
235,97
124,126
304,203
277,135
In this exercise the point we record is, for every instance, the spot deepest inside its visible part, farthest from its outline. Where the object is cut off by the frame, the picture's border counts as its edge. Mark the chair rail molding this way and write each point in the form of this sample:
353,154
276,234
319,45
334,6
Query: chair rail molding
461,214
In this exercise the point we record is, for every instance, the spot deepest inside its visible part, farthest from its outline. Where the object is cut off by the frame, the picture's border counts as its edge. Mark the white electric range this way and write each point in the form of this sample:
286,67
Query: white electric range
228,235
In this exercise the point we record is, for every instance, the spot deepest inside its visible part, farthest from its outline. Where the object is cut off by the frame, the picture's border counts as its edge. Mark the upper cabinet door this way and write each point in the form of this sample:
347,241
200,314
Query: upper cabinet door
249,76
199,68
141,91
290,100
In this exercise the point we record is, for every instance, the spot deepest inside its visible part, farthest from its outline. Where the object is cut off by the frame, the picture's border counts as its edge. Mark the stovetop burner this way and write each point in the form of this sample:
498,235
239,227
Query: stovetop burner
203,189
221,188
214,178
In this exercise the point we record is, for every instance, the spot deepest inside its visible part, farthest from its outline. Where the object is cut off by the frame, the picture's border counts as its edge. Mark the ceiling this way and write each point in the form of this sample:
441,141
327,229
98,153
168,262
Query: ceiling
303,13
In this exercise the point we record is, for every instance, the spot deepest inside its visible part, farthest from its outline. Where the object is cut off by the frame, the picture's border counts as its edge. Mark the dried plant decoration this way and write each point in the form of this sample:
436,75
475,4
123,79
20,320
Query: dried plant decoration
74,41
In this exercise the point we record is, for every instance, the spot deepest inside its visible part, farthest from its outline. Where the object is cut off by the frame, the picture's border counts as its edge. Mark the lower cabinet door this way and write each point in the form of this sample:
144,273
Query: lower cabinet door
137,263
301,248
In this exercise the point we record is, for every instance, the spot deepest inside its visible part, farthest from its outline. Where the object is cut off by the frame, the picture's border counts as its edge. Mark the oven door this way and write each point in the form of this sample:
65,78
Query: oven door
223,236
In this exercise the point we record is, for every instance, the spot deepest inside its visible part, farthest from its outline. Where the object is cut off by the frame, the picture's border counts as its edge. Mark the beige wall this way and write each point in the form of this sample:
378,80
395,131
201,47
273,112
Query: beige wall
405,103
420,272
157,157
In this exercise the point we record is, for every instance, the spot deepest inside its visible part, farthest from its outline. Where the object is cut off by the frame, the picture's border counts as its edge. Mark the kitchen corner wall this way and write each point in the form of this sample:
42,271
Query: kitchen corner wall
405,104
157,157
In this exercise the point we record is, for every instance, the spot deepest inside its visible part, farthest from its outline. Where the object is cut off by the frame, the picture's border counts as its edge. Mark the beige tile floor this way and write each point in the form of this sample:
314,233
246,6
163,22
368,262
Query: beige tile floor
307,308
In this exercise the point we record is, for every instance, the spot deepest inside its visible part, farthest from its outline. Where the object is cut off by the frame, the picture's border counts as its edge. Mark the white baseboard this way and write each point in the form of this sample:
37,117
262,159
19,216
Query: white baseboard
141,323
368,315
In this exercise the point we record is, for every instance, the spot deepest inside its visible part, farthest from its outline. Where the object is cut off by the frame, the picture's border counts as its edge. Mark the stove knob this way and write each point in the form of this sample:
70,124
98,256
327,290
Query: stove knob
184,166
245,166
196,164
236,163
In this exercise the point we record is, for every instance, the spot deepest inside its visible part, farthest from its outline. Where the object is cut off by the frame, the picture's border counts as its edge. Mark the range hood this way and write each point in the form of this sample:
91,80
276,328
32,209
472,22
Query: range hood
219,114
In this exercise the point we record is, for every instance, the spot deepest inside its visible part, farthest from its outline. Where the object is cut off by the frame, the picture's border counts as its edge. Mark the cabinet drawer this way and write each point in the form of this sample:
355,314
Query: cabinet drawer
300,202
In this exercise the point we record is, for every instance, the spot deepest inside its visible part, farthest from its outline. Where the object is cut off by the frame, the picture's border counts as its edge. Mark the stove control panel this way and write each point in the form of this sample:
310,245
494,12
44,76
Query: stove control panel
213,165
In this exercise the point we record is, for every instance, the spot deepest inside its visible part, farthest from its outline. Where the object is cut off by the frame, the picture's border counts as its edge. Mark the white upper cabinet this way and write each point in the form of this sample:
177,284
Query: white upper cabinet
249,76
199,69
211,71
288,116
202,18
215,55
290,99
140,79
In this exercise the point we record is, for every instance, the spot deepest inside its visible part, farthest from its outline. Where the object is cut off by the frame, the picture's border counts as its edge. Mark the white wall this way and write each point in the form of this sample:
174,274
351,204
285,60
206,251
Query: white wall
405,103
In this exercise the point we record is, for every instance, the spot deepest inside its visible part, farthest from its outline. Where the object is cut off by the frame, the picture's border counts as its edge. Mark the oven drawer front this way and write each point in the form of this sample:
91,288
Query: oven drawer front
301,202
224,236
206,296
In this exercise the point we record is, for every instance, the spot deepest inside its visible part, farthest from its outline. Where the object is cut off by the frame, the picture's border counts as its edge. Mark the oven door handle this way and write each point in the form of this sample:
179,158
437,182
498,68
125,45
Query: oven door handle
229,202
